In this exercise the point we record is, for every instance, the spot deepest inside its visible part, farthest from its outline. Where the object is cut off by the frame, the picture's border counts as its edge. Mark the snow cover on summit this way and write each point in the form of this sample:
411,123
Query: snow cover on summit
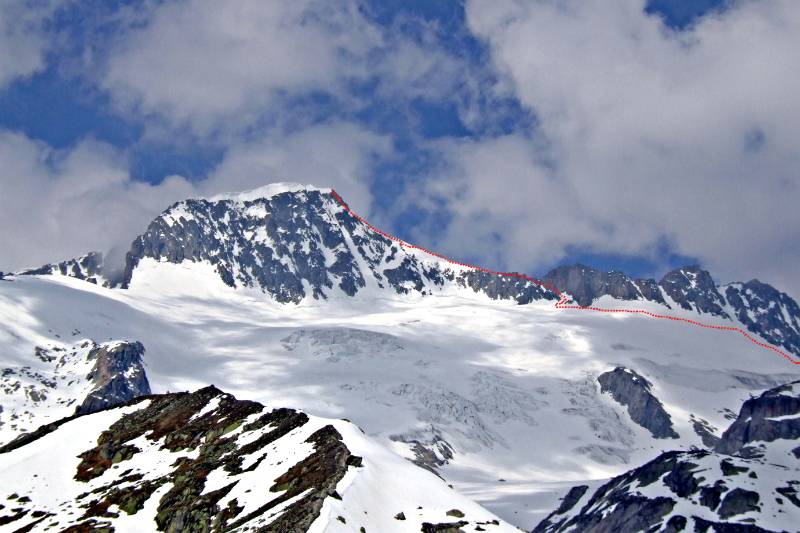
291,301
265,191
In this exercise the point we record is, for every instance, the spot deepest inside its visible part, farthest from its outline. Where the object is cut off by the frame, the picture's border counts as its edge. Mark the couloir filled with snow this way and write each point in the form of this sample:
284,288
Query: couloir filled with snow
501,399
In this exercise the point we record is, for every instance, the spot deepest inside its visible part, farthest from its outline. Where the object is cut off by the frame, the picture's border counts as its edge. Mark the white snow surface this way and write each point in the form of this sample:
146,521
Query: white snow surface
266,191
510,389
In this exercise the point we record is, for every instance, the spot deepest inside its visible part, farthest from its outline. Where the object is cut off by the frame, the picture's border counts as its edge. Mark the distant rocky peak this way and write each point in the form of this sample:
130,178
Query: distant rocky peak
585,284
693,288
87,267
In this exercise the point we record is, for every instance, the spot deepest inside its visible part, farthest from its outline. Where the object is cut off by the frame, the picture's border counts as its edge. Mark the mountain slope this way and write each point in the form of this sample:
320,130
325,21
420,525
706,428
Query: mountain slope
757,306
750,482
208,462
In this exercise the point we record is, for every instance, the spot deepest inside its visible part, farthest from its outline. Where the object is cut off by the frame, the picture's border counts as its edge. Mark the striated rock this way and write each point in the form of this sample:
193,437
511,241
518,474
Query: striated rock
633,391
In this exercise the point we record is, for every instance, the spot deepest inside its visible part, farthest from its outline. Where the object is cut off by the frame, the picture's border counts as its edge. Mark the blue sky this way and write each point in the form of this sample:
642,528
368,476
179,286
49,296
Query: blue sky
436,118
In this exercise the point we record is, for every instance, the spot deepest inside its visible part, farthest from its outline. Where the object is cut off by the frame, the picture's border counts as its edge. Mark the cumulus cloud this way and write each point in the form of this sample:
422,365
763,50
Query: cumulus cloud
200,61
645,134
219,67
337,155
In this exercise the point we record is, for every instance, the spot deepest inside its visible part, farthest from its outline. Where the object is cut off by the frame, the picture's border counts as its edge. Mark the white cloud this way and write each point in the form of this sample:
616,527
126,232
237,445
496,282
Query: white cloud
334,155
649,133
201,62
61,204
23,39
218,67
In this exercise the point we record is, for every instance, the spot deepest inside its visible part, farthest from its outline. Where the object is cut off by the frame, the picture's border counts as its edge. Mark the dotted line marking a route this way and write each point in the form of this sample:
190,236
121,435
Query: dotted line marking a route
562,303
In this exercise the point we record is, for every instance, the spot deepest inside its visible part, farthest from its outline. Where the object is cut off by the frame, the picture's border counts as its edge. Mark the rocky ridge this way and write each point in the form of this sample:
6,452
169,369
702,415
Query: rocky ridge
757,306
749,483
205,461
634,392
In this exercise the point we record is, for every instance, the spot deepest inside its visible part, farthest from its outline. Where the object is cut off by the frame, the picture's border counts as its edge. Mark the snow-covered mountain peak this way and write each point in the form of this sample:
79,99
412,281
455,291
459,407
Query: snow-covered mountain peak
298,242
265,191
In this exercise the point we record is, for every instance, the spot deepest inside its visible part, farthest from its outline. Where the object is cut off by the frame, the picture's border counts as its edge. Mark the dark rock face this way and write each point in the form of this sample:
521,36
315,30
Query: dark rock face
88,268
118,376
765,310
586,284
756,420
613,507
619,506
738,501
504,287
633,391
573,496
705,431
693,288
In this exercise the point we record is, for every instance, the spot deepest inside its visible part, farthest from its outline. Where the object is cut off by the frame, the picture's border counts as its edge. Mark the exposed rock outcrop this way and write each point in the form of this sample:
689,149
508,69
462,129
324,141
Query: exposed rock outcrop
118,376
773,415
294,241
703,490
693,288
62,379
633,391
586,284
88,267
207,462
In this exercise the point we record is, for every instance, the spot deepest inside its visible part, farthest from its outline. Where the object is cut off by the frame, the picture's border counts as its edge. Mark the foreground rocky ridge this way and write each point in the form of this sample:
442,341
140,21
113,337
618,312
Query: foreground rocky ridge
205,461
750,482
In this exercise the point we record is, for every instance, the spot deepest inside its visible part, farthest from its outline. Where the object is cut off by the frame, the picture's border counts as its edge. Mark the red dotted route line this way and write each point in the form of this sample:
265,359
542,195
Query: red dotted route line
562,303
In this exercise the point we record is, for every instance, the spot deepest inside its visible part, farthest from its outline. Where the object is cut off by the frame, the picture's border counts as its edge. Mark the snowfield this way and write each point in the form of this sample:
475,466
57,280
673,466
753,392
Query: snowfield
500,399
